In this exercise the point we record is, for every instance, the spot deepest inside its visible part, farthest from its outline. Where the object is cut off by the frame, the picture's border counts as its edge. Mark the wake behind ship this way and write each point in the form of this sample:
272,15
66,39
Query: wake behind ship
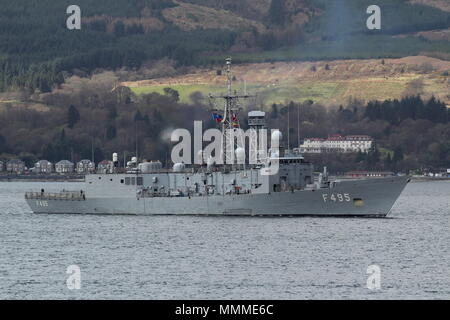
229,188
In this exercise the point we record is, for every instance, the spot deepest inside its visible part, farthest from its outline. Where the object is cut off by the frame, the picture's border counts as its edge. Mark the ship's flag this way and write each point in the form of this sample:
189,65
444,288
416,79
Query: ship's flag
217,117
234,121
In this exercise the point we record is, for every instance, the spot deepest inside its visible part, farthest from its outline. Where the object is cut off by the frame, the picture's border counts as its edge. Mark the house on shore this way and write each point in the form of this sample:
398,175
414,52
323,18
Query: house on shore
15,166
64,166
43,166
85,166
106,166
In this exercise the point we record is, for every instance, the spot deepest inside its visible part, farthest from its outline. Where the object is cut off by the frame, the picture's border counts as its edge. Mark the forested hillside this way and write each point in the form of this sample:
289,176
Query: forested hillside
36,48
411,133
60,92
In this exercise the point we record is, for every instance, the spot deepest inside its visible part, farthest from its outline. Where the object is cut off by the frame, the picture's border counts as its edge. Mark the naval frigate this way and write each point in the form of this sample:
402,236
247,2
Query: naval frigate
279,182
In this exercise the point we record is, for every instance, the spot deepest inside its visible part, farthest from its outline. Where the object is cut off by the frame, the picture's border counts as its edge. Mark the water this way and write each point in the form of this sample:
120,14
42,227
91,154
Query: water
132,257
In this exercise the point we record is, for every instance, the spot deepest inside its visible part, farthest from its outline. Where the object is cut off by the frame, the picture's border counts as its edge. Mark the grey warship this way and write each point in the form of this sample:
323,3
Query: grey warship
228,187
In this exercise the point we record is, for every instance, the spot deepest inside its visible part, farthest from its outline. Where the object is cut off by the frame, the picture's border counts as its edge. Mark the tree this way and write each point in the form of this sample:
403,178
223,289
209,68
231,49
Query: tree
277,12
373,156
3,145
398,155
172,93
111,132
138,116
62,138
360,156
73,116
119,29
388,161
274,112
112,114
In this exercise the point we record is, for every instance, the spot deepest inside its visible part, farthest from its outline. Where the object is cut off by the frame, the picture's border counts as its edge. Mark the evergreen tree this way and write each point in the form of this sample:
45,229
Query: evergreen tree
119,29
174,94
388,161
398,155
373,157
137,116
360,156
112,114
73,116
274,112
111,132
277,12
3,145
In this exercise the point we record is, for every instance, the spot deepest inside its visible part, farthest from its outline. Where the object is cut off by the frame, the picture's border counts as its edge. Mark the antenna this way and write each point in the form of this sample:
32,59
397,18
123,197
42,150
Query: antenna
289,123
298,125
136,139
92,150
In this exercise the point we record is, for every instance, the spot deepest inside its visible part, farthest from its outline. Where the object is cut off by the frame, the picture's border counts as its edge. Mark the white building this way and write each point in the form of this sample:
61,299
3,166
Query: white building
105,166
64,166
43,166
15,166
85,166
337,143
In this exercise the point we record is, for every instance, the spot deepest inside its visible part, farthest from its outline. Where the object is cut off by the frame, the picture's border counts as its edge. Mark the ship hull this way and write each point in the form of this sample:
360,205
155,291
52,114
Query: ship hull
369,197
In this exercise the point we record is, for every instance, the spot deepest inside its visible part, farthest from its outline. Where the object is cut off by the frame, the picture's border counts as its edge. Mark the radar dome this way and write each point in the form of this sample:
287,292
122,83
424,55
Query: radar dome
240,155
178,167
277,135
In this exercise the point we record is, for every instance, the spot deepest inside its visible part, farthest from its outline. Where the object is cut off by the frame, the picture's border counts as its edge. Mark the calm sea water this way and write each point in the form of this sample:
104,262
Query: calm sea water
132,257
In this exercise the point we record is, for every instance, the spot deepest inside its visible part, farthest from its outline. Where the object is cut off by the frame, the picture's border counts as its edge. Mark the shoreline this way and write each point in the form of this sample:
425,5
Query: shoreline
42,178
81,178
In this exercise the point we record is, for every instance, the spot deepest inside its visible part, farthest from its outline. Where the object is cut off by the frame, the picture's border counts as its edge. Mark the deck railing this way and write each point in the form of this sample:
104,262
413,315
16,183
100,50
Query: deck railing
65,195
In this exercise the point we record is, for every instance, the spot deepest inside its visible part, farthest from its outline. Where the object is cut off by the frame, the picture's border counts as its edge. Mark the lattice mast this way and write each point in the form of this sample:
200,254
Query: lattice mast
230,120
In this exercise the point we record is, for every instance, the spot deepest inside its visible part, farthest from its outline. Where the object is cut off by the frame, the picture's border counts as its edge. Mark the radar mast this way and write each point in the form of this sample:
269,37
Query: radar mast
230,117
